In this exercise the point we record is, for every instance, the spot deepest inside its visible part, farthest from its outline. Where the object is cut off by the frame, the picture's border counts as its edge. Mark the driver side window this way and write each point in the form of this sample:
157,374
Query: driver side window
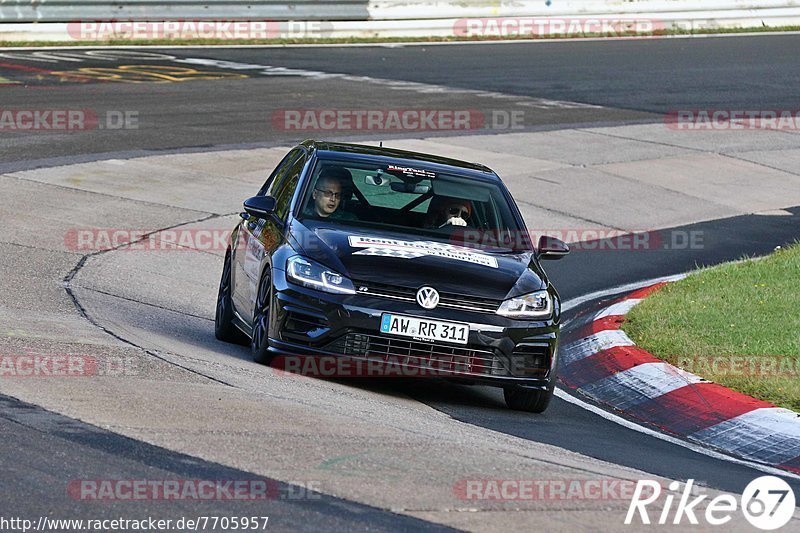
273,182
285,187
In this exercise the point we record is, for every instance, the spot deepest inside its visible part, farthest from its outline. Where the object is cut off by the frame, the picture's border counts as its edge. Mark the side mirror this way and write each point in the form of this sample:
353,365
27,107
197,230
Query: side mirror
551,248
260,206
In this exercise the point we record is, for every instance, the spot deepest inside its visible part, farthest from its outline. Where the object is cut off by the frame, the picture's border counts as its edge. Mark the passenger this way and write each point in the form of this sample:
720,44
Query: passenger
448,211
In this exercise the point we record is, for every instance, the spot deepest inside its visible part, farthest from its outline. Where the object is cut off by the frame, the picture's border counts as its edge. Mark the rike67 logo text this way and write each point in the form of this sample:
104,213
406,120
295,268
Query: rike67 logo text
767,503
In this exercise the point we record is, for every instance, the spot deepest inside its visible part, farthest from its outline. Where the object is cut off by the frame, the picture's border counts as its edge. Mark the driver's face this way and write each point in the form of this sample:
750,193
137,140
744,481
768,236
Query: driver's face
456,210
327,196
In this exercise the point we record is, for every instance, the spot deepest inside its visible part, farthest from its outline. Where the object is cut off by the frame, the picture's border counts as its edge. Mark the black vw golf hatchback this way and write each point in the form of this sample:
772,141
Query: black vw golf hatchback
357,260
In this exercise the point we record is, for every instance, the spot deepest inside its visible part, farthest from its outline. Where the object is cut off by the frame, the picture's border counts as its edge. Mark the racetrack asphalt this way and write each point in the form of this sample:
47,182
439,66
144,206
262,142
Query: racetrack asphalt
167,312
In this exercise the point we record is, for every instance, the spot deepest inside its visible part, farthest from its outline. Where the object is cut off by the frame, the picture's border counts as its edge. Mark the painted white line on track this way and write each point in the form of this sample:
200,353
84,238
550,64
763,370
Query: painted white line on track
575,302
563,395
619,308
258,69
169,46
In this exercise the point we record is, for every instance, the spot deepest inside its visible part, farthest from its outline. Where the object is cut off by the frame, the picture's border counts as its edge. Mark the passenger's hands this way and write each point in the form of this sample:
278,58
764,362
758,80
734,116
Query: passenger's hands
455,221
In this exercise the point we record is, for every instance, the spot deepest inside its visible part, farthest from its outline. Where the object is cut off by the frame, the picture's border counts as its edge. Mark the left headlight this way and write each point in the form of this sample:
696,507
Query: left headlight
537,304
311,274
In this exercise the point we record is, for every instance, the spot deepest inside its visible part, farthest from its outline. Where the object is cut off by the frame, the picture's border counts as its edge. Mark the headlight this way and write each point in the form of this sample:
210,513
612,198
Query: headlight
537,304
311,274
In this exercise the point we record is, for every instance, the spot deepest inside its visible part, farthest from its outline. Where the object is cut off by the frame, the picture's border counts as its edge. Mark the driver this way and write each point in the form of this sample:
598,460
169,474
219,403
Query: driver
332,184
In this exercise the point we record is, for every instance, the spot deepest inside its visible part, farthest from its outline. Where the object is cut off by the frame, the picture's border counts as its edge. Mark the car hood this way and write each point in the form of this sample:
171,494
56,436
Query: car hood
399,259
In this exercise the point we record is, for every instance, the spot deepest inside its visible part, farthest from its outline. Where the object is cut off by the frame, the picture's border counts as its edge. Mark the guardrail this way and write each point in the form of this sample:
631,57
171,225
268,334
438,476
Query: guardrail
107,10
354,10
427,9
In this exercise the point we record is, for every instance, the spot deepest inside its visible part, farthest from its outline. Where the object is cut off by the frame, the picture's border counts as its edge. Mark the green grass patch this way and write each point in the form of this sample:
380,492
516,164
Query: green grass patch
737,324
377,40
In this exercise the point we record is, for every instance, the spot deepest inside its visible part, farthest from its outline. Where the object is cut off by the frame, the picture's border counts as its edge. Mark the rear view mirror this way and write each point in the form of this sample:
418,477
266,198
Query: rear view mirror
260,206
551,248
410,188
377,180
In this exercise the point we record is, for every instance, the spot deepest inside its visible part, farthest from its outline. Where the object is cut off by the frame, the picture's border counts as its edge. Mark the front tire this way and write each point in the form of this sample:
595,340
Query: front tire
259,343
531,401
224,329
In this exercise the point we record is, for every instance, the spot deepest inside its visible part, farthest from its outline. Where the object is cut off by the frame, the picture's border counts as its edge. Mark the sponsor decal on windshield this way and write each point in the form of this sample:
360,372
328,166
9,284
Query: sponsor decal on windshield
414,249
410,171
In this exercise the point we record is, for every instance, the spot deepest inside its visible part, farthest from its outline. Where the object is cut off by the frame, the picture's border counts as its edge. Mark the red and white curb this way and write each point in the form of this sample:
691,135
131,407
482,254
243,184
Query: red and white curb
604,364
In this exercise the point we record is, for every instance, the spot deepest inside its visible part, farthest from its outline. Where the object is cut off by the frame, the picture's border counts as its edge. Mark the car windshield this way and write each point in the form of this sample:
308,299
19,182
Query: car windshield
414,200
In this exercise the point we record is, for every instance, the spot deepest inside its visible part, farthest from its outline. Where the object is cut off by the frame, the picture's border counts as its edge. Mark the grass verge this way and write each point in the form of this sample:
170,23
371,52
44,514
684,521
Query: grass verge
737,324
378,40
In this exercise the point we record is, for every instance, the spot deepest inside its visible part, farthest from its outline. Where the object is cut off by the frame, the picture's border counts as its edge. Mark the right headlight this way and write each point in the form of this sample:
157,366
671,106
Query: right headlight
537,304
311,274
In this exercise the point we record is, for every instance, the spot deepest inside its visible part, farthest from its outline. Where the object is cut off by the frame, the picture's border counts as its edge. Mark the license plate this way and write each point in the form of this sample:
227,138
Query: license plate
424,329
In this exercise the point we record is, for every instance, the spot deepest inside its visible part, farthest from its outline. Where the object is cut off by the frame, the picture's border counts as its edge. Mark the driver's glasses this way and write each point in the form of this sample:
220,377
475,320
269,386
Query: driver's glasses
330,195
457,211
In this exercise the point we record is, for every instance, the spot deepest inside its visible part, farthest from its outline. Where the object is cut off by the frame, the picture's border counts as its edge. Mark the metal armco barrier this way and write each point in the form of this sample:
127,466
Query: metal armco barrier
427,9
458,9
106,10
354,10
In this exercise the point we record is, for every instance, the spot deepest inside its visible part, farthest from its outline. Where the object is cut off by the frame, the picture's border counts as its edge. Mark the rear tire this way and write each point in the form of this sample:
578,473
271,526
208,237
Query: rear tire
224,329
259,343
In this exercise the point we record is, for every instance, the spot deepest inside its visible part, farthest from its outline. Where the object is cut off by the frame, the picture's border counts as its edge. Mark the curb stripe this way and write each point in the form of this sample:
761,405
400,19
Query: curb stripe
603,363
770,435
695,407
596,326
592,344
793,465
639,385
646,291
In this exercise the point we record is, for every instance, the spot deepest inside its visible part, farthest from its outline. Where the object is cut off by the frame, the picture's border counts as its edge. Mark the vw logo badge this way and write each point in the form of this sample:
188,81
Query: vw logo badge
428,298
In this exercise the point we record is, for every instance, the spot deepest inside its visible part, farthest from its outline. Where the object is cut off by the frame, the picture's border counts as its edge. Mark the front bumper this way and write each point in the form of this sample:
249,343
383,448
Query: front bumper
500,351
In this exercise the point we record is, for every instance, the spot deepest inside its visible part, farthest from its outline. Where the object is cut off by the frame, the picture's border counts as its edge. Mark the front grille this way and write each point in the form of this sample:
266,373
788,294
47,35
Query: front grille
446,299
414,354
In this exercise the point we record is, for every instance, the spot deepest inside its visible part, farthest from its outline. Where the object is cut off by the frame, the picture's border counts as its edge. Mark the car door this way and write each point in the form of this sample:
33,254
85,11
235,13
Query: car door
261,237
247,251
